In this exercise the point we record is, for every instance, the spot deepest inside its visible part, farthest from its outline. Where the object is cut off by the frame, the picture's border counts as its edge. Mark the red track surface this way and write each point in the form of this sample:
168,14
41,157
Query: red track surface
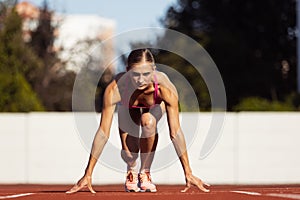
116,192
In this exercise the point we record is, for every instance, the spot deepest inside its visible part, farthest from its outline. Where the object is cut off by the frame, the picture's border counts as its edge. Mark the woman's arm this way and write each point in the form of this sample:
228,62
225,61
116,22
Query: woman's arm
110,98
170,97
103,131
171,101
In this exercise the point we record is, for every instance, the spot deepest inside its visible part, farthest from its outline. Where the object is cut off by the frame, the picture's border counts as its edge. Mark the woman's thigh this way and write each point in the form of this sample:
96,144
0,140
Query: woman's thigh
129,120
158,111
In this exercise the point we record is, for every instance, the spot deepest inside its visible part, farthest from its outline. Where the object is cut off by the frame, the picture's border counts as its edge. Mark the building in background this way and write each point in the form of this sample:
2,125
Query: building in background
79,38
30,15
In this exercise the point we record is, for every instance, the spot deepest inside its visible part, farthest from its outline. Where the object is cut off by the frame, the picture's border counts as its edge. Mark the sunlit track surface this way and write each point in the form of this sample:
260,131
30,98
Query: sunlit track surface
112,192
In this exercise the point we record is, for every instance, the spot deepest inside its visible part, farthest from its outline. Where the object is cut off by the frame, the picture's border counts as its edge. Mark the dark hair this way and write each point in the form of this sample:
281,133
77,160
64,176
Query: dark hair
138,55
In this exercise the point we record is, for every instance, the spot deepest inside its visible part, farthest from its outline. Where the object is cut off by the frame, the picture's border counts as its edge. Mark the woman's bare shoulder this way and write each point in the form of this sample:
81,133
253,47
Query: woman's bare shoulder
112,92
165,84
115,83
162,77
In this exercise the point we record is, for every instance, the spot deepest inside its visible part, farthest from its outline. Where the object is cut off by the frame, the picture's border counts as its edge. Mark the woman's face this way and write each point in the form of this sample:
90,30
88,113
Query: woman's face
141,74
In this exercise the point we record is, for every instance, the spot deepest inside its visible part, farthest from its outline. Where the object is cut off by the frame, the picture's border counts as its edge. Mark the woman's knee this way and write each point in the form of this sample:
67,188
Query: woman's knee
148,123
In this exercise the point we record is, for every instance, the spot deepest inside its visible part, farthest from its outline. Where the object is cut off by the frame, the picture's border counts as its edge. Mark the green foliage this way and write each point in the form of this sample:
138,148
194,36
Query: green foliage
17,95
189,83
253,43
294,99
33,68
261,104
15,54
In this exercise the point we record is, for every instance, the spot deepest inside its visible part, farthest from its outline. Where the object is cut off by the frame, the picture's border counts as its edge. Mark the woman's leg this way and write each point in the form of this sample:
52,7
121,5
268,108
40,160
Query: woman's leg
129,128
149,137
148,144
148,141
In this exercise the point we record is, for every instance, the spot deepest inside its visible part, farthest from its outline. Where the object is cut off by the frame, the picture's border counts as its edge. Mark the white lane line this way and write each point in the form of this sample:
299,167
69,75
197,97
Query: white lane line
246,192
15,196
288,196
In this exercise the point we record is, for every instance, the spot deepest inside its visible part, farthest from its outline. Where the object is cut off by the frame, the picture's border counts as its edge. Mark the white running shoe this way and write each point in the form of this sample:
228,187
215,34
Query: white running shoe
131,183
145,182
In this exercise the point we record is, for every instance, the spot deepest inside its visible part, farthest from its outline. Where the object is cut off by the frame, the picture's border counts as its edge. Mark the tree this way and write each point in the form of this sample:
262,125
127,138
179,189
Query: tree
177,67
253,43
16,95
55,80
95,72
52,81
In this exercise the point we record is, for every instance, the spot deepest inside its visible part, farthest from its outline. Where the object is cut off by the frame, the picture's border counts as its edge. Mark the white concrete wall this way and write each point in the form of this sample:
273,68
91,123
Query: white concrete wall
254,148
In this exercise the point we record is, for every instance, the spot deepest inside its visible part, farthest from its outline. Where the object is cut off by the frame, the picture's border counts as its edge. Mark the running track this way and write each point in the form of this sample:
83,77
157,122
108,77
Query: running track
115,192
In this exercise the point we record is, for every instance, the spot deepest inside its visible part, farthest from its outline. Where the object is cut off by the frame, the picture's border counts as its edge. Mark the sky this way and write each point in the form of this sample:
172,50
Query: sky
130,14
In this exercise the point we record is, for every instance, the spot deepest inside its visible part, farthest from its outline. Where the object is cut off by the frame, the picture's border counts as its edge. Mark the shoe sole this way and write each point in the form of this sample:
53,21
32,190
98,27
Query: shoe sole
148,190
132,190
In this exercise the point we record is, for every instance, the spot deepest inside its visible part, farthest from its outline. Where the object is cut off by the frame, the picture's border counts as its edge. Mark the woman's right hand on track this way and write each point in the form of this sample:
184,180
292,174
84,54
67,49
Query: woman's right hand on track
85,181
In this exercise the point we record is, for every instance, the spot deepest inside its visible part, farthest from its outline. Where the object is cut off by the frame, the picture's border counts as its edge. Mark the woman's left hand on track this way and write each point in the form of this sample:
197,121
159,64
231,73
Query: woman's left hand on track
193,180
85,181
